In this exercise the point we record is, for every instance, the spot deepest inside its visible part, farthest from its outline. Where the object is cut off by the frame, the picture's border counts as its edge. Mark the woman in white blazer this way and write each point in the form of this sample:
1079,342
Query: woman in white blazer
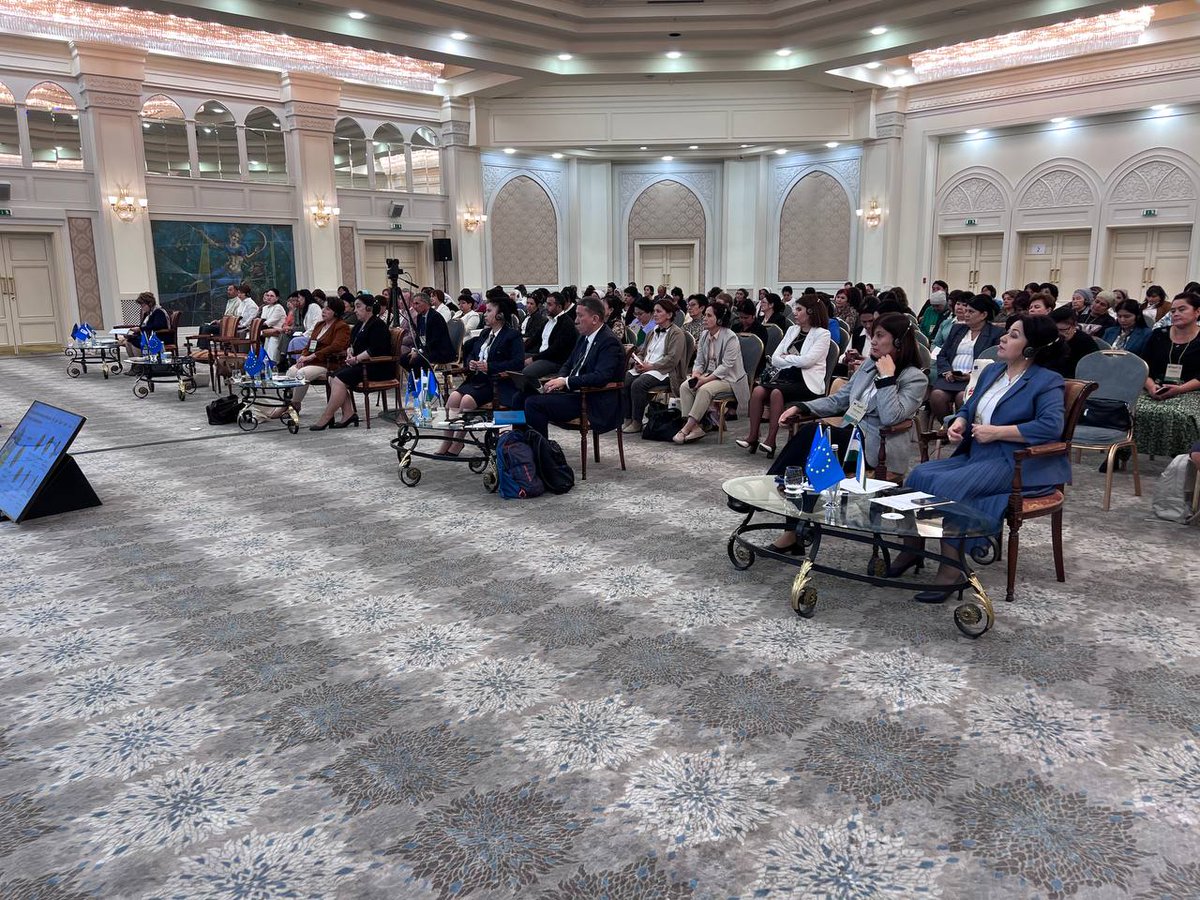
797,371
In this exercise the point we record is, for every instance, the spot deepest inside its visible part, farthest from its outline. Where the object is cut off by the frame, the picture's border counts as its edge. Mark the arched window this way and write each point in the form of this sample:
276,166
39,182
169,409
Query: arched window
164,137
350,155
391,165
426,162
216,141
53,127
10,141
264,147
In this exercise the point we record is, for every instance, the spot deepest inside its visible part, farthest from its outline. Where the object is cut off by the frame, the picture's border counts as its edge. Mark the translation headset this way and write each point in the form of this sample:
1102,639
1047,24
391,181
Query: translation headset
1030,351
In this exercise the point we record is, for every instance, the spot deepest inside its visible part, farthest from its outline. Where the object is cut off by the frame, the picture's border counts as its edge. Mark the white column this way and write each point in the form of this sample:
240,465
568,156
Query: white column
881,181
23,136
742,204
310,109
243,156
462,174
590,236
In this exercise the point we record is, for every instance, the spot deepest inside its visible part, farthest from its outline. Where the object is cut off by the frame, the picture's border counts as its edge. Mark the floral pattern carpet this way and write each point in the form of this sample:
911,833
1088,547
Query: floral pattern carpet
264,668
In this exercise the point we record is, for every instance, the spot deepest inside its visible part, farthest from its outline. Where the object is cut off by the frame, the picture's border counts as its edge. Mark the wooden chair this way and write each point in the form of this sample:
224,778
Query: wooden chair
1021,508
584,425
369,386
216,344
170,335
234,351
774,336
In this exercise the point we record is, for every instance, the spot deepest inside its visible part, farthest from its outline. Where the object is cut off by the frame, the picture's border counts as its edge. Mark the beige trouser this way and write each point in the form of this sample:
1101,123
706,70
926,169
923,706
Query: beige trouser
309,374
694,402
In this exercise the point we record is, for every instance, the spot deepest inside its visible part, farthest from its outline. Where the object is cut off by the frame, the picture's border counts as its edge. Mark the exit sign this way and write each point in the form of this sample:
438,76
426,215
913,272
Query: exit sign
1149,213
971,222
396,226
5,212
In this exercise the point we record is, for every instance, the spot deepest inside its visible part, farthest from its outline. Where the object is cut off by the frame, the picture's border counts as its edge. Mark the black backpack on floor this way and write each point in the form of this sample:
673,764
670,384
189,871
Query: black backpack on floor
552,466
223,410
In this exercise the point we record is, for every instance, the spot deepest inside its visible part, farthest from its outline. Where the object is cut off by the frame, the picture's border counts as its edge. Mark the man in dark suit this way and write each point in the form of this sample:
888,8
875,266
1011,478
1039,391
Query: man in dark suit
598,359
555,341
434,335
535,320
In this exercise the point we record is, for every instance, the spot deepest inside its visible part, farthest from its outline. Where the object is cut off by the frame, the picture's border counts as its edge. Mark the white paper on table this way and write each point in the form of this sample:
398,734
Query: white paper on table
930,528
906,502
874,485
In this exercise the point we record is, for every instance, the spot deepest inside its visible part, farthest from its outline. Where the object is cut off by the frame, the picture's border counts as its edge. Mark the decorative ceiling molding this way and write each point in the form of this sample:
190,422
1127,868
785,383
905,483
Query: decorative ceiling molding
632,184
553,181
847,171
1057,188
1153,181
974,194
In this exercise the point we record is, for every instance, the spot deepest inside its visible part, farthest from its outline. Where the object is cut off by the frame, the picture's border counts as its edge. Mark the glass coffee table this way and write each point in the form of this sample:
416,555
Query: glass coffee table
858,519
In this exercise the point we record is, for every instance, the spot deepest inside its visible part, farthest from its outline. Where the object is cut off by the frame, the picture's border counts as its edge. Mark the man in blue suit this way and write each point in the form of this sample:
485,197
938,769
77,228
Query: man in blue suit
598,359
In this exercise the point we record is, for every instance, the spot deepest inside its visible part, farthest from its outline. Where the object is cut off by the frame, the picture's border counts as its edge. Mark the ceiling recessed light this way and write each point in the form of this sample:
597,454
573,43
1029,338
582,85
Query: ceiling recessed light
745,146
832,144
694,147
900,73
510,150
355,14
972,131
873,65
668,158
556,156
643,148
459,35
878,30
1159,107
673,54
565,57
783,52
1058,120
780,151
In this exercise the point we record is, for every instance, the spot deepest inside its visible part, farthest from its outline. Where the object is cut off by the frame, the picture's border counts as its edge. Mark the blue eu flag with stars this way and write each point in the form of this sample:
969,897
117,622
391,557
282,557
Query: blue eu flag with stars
154,345
253,364
822,468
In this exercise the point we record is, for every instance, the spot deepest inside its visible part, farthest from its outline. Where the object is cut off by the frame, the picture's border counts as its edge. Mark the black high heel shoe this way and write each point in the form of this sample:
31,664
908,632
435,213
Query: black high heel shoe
346,423
938,596
796,549
896,572
319,427
752,446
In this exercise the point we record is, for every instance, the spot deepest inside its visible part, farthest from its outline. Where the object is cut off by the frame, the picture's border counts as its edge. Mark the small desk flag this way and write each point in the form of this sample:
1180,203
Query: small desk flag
78,334
860,460
410,389
253,364
433,388
154,345
145,344
822,468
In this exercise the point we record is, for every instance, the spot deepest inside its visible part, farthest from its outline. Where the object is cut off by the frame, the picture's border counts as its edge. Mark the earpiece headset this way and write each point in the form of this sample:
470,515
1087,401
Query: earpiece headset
1031,351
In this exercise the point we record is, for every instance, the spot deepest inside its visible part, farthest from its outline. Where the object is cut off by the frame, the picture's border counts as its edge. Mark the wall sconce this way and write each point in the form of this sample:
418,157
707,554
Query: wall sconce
125,206
472,219
322,215
872,216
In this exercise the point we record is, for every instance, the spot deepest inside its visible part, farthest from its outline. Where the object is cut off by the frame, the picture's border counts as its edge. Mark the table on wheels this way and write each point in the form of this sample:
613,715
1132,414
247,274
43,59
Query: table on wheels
856,518
479,433
272,393
104,353
167,369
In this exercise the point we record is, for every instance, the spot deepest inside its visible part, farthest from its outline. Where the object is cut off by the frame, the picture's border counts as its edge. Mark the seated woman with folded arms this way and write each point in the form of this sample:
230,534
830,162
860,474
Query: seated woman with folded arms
957,358
1168,414
887,389
1018,400
326,346
499,349
1132,332
799,371
718,373
369,338
660,363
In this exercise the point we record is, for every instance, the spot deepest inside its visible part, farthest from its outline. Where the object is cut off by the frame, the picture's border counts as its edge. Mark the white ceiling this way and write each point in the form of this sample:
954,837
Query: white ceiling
514,42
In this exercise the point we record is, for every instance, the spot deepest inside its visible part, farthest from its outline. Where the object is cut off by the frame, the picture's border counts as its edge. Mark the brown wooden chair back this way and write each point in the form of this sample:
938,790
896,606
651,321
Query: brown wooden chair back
229,326
1075,394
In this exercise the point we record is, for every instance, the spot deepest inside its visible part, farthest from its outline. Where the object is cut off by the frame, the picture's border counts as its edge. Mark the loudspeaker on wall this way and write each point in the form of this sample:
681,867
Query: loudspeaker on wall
442,251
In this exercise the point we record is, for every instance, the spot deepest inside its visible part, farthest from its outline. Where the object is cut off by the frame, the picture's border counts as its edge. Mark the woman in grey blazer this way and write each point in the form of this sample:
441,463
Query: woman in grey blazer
717,373
889,386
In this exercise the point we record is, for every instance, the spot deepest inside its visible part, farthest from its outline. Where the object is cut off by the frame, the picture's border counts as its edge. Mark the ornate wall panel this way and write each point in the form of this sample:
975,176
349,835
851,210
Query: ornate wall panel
667,210
347,255
1055,189
973,195
524,234
814,231
1155,180
87,278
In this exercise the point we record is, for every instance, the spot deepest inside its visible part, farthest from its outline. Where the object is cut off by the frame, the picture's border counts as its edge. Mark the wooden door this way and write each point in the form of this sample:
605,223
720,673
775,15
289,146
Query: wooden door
989,258
27,285
958,261
1074,261
681,267
1038,251
375,256
1170,250
1128,259
652,264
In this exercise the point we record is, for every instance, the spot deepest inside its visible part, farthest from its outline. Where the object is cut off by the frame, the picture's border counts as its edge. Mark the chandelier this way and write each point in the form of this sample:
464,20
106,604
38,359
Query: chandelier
191,38
1110,31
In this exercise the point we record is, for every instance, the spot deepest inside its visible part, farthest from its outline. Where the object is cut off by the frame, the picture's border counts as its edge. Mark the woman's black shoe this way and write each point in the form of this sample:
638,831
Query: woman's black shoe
938,596
346,423
319,427
897,571
1120,459
796,549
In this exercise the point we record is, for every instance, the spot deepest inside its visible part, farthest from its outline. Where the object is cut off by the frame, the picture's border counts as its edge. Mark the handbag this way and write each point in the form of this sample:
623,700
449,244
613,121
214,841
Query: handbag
1103,413
223,410
662,424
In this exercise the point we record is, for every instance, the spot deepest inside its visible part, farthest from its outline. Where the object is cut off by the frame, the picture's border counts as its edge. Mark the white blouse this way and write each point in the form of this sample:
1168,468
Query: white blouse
964,356
986,407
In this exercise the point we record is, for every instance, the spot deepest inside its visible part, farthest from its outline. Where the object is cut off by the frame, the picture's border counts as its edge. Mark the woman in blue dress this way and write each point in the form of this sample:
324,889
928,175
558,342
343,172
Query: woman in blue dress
1016,402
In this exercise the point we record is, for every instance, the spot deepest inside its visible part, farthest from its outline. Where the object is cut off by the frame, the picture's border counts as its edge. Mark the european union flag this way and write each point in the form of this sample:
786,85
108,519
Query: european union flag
410,389
87,331
822,468
433,388
154,345
253,365
78,334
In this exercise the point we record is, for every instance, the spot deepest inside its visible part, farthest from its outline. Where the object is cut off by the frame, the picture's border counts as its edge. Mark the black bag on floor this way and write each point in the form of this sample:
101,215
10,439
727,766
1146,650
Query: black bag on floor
1103,413
223,410
661,424
552,466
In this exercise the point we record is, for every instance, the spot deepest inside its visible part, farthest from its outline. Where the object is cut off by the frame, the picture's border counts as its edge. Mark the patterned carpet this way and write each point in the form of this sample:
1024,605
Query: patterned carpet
264,668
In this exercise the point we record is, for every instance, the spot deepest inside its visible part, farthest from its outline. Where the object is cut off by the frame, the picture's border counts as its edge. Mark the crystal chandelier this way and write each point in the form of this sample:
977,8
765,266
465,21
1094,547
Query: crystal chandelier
191,38
1110,31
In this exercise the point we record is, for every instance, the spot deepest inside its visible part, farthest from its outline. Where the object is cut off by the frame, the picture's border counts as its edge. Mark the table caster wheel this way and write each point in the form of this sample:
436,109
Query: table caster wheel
877,568
190,386
246,420
182,395
804,602
491,481
478,464
114,368
410,476
740,555
293,427
972,619
73,371
141,391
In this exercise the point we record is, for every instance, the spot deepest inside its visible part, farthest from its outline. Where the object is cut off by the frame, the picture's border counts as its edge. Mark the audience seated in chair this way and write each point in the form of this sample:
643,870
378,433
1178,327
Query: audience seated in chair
1078,343
957,356
273,315
326,347
556,340
436,348
717,373
661,362
153,319
369,338
800,362
232,303
1131,331
1168,414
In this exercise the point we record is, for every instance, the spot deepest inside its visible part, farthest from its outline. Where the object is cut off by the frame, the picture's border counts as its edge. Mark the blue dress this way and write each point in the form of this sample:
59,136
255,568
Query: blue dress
980,475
